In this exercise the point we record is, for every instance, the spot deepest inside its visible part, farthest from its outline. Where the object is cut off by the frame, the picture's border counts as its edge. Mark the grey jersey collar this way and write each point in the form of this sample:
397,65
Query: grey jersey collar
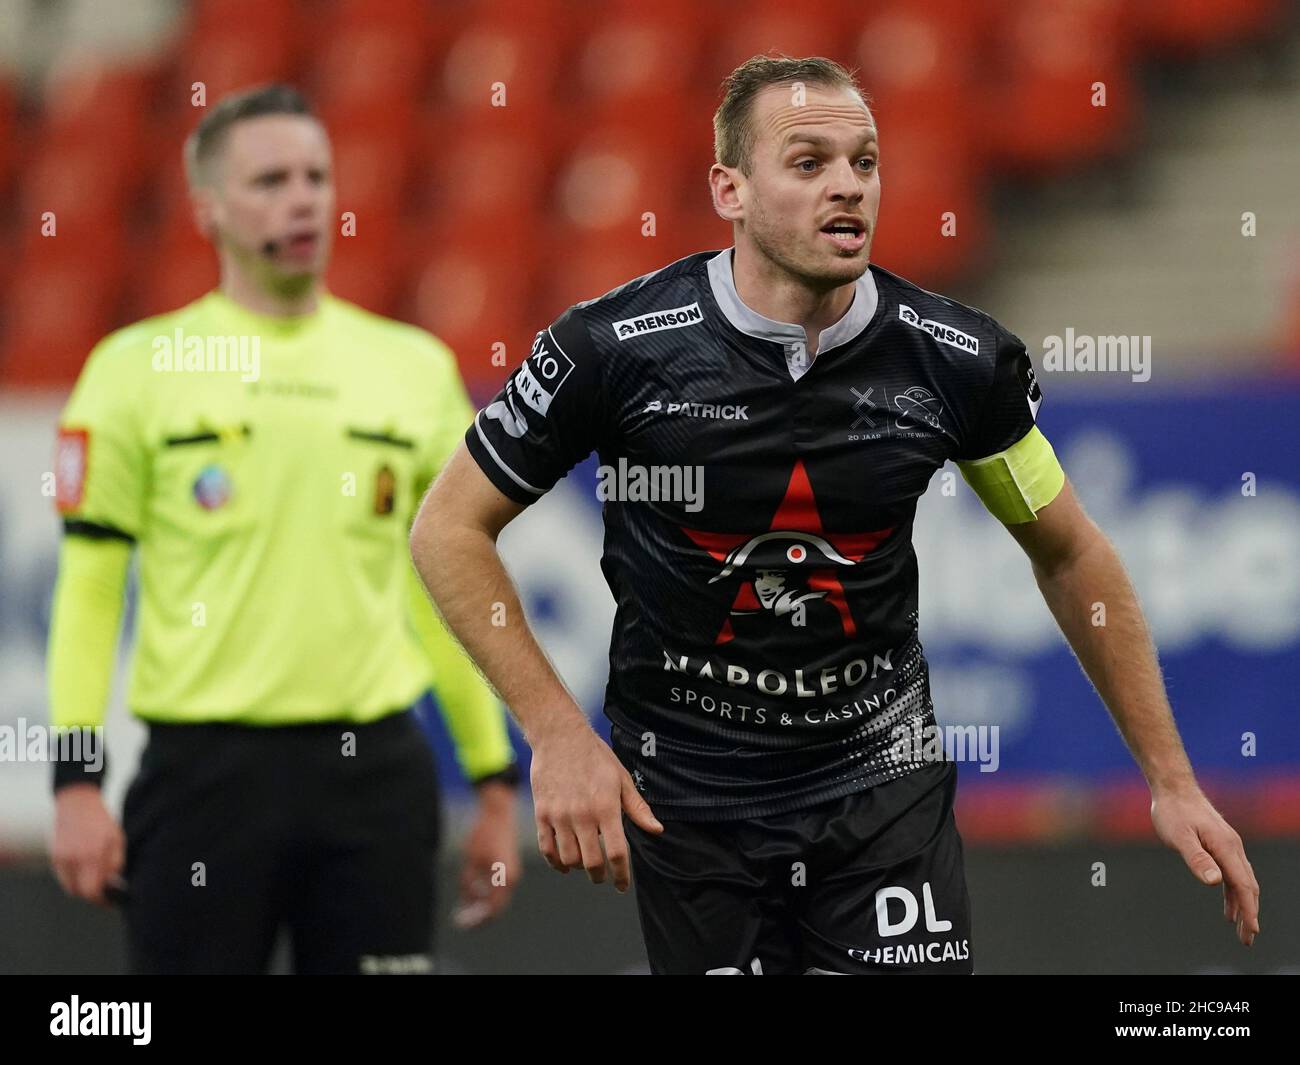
791,337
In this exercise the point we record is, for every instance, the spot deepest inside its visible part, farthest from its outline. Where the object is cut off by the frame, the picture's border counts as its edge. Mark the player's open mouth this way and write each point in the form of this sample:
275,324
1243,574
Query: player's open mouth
847,233
303,243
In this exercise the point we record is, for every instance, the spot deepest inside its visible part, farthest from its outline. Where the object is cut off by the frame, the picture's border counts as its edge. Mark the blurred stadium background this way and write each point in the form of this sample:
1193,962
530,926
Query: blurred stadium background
1171,212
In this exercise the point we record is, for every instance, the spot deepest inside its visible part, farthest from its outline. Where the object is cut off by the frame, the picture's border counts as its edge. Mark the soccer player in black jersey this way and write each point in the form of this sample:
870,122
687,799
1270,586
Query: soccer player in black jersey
765,660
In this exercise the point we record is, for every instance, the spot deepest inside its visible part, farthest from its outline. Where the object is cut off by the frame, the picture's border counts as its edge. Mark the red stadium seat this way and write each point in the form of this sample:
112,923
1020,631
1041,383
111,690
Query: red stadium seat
687,17
593,264
54,316
614,179
490,171
670,134
697,229
636,57
177,228
84,191
368,275
373,63
93,103
924,184
414,19
168,193
780,28
1041,117
233,44
393,119
8,132
484,222
170,267
474,294
172,282
279,24
229,59
920,64
494,60
692,228
1189,26
552,19
429,28
371,174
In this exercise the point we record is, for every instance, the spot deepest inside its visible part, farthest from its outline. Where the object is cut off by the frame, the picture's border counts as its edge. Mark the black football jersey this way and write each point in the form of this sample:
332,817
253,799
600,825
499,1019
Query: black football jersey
758,508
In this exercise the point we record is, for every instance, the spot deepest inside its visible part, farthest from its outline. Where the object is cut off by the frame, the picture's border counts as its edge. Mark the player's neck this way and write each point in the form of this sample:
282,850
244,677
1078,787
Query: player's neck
764,287
243,290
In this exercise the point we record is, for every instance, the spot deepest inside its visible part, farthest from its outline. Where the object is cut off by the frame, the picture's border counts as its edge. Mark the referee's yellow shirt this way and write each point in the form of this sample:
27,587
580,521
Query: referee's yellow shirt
267,470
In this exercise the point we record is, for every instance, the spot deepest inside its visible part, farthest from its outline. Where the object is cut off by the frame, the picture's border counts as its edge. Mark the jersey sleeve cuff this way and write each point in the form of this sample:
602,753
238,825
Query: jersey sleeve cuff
509,776
494,467
95,530
87,761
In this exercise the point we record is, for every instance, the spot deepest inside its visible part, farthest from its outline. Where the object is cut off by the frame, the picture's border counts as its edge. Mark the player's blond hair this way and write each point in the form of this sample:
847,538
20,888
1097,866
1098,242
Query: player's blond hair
733,134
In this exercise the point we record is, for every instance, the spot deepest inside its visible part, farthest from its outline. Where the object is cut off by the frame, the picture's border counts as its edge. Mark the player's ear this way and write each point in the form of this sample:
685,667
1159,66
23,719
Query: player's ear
724,183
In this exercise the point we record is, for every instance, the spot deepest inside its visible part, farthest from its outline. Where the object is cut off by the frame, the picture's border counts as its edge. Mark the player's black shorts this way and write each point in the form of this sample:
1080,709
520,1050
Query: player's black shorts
869,883
234,832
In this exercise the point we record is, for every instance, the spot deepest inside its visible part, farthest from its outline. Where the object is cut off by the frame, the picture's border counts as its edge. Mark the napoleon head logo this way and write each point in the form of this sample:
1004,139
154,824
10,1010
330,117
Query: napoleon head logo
791,566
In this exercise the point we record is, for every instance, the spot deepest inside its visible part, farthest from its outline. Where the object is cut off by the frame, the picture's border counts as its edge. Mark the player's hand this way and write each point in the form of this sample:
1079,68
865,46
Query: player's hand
89,848
1185,821
580,791
491,865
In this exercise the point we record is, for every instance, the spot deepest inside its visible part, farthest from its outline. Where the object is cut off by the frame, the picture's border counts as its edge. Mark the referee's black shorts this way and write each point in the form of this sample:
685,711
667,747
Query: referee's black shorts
328,830
870,883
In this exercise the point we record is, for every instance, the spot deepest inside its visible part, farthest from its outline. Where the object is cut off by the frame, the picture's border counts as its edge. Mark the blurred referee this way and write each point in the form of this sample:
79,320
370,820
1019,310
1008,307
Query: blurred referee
264,449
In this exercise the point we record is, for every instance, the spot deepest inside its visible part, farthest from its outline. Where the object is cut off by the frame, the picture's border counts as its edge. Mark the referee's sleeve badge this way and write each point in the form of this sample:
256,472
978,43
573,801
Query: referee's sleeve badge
70,468
385,490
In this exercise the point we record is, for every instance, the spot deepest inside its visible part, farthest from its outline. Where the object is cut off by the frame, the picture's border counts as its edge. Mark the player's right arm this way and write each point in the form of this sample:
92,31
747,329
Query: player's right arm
100,469
545,420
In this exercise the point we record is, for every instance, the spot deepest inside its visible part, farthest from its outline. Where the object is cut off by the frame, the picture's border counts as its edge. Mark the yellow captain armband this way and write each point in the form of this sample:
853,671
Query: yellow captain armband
1016,483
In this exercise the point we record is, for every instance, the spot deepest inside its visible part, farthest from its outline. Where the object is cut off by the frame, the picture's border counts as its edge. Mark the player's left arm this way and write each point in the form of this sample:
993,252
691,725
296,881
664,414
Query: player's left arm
1079,572
1082,580
473,713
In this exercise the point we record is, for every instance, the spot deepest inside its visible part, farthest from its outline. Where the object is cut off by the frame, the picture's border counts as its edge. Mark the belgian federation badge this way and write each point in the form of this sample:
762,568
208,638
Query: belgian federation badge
212,488
385,490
